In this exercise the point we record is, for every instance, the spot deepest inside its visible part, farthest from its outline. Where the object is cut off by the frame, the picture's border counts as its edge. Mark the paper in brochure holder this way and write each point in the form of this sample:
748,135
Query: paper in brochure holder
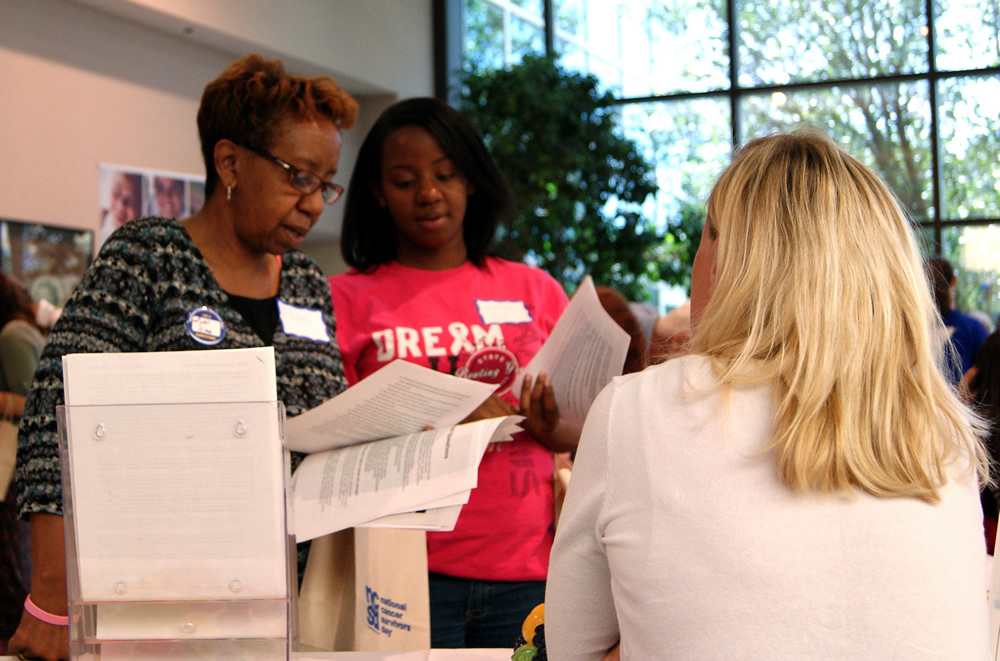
178,501
170,377
176,519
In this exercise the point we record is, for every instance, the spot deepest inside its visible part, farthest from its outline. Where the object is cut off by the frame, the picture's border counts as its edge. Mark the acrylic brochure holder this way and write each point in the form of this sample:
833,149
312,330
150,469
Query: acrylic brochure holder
176,531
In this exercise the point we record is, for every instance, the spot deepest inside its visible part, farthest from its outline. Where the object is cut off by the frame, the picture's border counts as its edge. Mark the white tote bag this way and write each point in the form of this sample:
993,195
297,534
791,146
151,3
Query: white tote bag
392,606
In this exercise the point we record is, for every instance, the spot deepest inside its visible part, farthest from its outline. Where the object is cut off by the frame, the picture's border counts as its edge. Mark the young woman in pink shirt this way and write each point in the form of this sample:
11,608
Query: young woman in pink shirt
423,206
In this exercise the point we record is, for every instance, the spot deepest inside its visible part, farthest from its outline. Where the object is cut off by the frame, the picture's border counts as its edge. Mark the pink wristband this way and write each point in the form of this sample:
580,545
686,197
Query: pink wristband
45,616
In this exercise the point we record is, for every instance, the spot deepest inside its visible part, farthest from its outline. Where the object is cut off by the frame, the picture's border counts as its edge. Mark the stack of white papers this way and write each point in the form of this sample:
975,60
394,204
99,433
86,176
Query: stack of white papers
371,462
417,480
420,480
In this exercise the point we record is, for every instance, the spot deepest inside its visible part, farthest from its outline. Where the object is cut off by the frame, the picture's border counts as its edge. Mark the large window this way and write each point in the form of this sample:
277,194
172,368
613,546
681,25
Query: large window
910,87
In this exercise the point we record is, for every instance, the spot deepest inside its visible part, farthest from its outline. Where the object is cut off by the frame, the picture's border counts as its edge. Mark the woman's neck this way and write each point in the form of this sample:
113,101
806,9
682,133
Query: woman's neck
237,270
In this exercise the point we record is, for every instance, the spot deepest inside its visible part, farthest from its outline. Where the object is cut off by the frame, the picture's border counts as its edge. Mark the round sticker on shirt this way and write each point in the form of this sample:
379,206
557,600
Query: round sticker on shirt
491,365
206,326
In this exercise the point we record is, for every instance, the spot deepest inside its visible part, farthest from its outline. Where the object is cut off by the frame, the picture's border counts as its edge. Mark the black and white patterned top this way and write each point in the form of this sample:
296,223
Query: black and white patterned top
136,296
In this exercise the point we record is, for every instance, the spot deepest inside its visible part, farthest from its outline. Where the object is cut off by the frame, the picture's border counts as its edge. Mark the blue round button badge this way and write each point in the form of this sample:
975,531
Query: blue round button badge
206,326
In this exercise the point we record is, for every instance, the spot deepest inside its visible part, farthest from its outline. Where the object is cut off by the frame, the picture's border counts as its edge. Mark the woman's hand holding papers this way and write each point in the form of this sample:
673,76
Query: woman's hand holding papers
541,415
538,406
540,411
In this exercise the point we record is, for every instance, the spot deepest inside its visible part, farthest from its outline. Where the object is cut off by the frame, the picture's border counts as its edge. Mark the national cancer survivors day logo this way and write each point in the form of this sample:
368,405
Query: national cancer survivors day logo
383,615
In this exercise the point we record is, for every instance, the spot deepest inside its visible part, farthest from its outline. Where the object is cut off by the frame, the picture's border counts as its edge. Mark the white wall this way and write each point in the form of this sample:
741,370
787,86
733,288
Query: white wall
84,82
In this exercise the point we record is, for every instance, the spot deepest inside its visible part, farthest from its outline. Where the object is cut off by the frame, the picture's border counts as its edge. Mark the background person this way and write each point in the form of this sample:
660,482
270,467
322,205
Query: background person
21,342
802,484
983,318
646,314
618,307
671,333
423,205
983,388
965,333
271,143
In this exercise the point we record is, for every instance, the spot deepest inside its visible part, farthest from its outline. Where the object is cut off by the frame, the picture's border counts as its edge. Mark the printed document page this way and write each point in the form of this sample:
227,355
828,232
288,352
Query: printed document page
183,500
440,515
438,519
170,377
349,486
401,398
585,350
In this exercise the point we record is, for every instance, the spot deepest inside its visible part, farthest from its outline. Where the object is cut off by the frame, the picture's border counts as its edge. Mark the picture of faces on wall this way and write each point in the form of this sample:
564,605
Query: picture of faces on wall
127,193
49,260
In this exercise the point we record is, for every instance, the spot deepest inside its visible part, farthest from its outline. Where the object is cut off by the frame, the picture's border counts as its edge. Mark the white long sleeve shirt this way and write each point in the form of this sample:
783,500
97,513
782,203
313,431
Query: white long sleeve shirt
678,536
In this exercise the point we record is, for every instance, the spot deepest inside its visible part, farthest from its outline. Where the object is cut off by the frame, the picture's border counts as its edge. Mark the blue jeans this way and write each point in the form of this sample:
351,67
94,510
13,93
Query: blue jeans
471,613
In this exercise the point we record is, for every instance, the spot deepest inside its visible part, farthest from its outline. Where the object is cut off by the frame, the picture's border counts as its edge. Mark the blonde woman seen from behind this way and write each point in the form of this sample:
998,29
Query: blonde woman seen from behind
803,483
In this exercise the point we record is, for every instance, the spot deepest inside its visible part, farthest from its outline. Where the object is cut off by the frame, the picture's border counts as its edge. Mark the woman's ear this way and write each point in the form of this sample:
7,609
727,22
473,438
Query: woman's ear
226,158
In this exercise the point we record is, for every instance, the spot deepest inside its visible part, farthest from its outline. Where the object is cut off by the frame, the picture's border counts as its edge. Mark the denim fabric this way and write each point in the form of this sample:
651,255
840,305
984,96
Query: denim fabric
471,613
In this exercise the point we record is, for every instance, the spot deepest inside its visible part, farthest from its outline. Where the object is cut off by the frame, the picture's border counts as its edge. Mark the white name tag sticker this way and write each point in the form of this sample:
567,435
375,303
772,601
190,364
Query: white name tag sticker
302,322
503,312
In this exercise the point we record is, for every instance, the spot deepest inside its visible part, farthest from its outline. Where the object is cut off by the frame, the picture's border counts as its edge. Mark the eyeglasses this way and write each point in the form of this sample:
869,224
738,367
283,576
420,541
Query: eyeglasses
304,181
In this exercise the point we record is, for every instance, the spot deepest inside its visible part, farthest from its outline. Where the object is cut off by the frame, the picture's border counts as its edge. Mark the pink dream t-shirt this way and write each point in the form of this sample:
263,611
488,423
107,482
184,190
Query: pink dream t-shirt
480,323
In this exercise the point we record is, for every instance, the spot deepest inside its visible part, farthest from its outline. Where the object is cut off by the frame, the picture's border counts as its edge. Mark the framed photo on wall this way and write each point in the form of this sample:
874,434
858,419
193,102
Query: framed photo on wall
129,192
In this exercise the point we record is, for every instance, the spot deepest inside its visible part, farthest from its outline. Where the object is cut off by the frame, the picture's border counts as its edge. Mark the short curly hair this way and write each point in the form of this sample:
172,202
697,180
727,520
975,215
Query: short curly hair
369,236
253,96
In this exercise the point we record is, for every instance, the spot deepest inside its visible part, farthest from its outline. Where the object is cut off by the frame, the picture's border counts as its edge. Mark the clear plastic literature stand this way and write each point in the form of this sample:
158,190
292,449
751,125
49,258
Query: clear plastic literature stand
176,531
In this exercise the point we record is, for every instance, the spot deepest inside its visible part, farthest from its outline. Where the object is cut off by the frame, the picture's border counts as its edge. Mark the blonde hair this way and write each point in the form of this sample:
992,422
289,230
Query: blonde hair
820,289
